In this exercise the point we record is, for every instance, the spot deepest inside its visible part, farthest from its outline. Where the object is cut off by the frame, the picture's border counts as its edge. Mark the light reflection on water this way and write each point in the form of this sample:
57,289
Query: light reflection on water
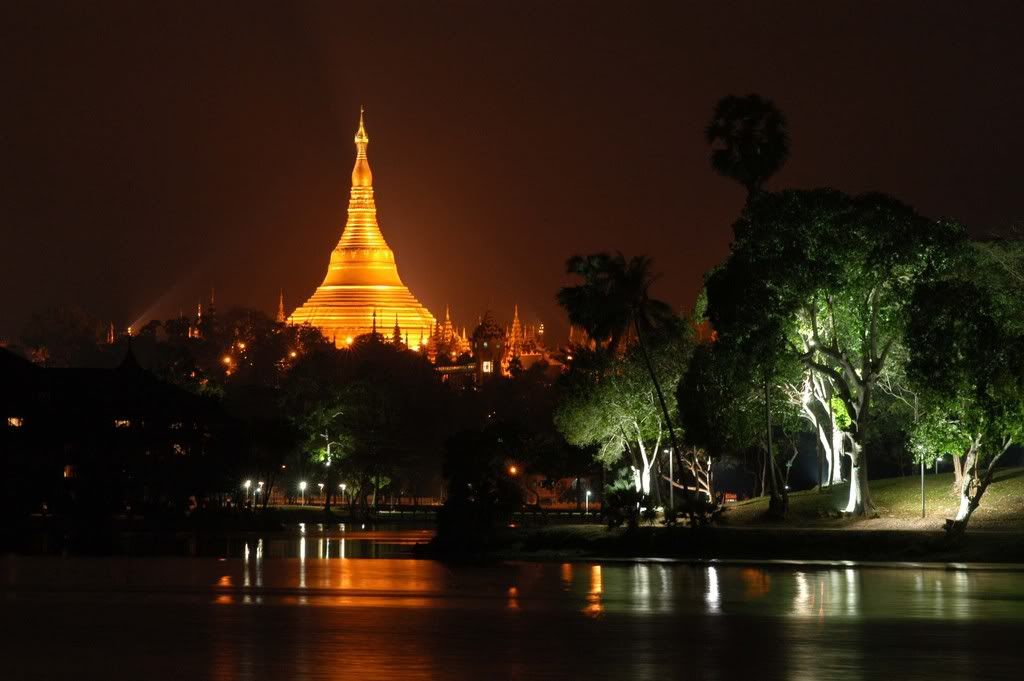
302,607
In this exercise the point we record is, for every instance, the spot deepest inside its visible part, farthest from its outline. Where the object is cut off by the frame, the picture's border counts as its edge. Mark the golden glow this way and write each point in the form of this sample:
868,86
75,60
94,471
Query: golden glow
594,608
293,354
512,470
362,277
15,421
226,359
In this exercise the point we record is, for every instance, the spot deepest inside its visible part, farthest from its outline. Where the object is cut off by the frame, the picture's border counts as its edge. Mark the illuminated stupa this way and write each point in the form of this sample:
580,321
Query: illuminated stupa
362,280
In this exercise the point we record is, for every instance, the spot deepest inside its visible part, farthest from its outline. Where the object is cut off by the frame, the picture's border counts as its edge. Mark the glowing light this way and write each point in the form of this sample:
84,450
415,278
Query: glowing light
226,359
247,484
348,341
512,470
712,596
241,346
293,354
15,421
302,486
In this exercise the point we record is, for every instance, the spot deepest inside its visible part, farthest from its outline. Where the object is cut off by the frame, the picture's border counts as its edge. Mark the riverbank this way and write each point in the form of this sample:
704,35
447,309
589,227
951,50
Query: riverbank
756,544
898,505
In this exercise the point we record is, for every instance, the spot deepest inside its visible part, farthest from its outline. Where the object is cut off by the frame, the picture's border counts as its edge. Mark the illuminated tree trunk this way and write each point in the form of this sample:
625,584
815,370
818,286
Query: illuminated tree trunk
973,487
958,473
859,502
834,458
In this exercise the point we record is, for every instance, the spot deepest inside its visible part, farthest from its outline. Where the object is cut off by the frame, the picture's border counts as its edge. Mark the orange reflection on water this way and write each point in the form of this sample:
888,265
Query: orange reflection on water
756,582
594,607
566,576
513,598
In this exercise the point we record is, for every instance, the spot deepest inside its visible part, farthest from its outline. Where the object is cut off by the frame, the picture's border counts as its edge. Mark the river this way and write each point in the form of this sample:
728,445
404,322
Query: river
344,603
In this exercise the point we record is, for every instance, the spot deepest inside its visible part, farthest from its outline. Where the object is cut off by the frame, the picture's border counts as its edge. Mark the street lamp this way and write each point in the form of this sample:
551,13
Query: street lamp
302,491
587,502
247,484
512,470
342,486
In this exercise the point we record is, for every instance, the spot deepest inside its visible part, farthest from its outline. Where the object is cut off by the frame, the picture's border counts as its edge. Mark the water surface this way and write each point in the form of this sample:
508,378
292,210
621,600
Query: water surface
312,606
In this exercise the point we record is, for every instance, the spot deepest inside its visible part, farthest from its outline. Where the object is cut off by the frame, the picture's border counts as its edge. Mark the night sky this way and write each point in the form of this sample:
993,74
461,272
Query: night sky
151,151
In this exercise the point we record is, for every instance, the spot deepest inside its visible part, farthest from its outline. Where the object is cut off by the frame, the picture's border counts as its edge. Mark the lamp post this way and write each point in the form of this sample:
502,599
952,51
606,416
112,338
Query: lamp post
256,492
342,486
302,491
922,486
671,482
587,502
247,484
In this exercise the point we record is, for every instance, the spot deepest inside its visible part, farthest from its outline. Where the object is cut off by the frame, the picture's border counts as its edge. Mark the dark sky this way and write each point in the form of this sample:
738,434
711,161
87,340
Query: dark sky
149,151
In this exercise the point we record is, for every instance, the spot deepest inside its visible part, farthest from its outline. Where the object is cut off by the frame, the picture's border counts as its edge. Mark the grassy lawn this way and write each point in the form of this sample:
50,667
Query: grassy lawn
899,505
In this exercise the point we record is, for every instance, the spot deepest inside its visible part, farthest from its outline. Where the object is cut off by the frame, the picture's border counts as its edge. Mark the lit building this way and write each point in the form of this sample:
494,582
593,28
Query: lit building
488,342
362,278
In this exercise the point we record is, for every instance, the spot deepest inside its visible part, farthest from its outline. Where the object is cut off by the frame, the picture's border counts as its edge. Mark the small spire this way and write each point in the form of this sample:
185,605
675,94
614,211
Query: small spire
281,318
361,136
361,175
374,331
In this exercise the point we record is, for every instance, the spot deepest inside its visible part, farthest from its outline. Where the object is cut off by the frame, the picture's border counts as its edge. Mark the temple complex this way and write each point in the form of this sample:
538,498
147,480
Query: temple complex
362,281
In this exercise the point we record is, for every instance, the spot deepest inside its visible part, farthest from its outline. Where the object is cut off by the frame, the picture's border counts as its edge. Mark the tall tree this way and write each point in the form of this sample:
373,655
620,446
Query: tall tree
749,143
967,363
827,279
614,299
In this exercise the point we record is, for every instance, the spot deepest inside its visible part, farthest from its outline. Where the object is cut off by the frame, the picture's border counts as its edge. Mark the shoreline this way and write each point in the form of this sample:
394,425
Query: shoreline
725,544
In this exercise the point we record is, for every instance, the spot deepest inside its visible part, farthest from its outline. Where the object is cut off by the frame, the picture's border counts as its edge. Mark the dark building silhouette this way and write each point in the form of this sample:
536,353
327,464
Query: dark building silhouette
103,440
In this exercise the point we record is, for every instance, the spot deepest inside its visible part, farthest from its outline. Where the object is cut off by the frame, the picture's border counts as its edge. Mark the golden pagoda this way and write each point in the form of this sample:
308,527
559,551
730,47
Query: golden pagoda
362,281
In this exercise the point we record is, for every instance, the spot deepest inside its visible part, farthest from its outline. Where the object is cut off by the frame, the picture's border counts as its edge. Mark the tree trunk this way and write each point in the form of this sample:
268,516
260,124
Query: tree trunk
328,490
859,502
969,502
777,503
835,458
661,401
958,474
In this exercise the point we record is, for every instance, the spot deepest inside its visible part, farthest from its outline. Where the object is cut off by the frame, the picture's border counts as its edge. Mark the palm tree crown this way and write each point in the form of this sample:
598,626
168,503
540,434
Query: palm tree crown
749,140
614,296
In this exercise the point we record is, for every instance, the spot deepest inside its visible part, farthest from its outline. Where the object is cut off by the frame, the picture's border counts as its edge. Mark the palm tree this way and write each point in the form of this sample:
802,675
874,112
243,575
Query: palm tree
613,299
748,140
749,144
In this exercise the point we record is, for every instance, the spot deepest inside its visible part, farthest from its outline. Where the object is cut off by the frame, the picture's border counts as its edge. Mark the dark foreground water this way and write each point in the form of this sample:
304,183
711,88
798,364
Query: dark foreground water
304,607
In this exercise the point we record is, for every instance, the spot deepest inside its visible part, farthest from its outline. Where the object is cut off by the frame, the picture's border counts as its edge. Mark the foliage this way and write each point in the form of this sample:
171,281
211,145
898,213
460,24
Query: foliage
619,412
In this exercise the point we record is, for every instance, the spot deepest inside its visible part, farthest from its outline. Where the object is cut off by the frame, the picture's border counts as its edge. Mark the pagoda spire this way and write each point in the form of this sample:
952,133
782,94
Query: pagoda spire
361,174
